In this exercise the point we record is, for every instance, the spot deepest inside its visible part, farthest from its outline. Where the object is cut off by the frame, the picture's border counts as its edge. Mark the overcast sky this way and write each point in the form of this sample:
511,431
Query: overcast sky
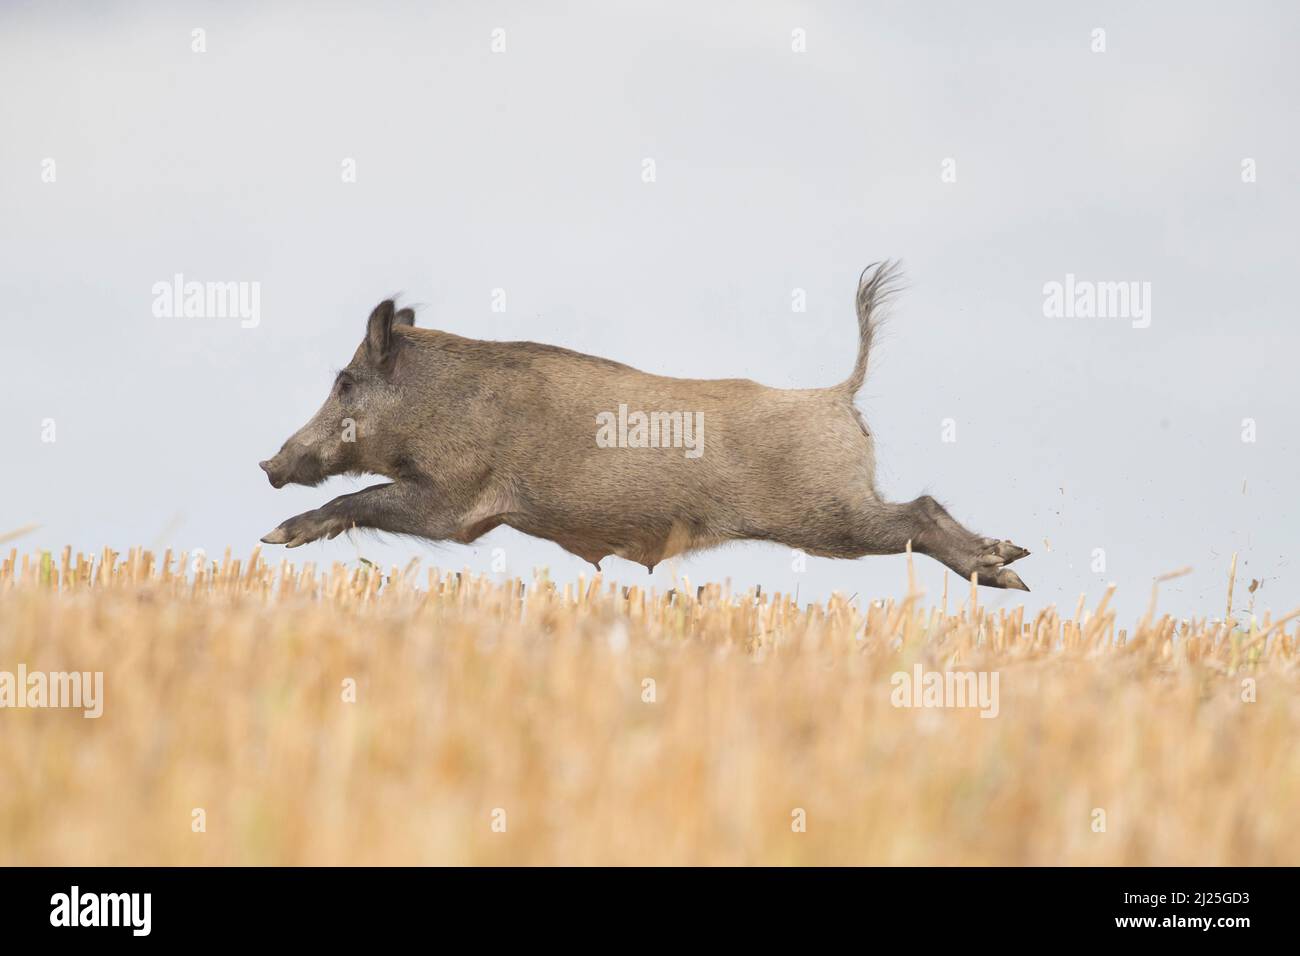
993,147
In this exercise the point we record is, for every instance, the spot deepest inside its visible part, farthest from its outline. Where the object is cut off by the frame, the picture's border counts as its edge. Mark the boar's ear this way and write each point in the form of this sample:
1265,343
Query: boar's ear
404,317
379,333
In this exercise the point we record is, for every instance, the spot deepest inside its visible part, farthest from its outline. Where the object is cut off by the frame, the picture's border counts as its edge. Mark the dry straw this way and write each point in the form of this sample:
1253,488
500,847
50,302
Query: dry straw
350,715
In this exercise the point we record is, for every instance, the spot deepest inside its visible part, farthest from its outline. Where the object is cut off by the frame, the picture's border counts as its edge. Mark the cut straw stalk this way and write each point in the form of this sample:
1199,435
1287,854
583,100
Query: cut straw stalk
17,533
1232,580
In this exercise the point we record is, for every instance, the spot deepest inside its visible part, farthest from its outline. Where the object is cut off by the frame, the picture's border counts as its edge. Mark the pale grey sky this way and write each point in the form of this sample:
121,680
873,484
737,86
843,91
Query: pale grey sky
776,170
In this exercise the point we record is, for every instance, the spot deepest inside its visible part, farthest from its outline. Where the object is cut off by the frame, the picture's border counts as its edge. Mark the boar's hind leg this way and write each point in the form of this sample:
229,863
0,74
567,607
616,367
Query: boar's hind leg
886,528
397,507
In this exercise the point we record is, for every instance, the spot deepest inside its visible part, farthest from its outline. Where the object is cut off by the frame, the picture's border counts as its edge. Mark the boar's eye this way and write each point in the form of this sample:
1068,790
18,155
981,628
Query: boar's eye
345,388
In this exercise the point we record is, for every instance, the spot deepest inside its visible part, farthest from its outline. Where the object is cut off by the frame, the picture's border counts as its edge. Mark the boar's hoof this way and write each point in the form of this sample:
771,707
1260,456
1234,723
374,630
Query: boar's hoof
1001,552
990,564
305,528
278,536
1006,578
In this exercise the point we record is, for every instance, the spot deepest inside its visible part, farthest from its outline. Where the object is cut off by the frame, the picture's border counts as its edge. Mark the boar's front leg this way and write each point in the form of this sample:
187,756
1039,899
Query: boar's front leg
397,507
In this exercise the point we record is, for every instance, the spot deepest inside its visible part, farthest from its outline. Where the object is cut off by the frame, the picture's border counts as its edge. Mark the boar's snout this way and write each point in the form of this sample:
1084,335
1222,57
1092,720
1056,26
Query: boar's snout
277,480
293,464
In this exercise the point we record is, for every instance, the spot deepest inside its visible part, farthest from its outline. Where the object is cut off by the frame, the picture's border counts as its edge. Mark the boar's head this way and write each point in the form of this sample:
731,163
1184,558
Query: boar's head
351,432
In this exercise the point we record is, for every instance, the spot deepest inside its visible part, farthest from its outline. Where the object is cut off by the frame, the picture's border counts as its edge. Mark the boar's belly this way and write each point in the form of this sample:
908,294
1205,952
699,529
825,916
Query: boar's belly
681,538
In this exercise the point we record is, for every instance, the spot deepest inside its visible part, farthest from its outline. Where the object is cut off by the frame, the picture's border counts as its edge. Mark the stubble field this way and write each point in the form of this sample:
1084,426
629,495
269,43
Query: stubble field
256,713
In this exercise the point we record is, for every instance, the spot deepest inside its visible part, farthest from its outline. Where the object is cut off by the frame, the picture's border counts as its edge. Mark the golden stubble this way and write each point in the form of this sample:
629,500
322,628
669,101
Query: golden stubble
348,715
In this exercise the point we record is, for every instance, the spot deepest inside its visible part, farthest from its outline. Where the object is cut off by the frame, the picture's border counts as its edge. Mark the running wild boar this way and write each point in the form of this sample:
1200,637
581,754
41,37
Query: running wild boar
604,459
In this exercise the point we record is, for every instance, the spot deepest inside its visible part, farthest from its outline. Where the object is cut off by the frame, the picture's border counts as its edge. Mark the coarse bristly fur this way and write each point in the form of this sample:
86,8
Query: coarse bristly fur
477,434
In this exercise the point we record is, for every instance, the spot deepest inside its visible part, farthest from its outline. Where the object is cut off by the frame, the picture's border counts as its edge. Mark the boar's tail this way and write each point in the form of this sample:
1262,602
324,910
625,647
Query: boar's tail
875,285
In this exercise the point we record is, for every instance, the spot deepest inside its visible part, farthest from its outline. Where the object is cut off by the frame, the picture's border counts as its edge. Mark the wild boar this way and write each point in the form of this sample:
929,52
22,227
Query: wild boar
604,459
